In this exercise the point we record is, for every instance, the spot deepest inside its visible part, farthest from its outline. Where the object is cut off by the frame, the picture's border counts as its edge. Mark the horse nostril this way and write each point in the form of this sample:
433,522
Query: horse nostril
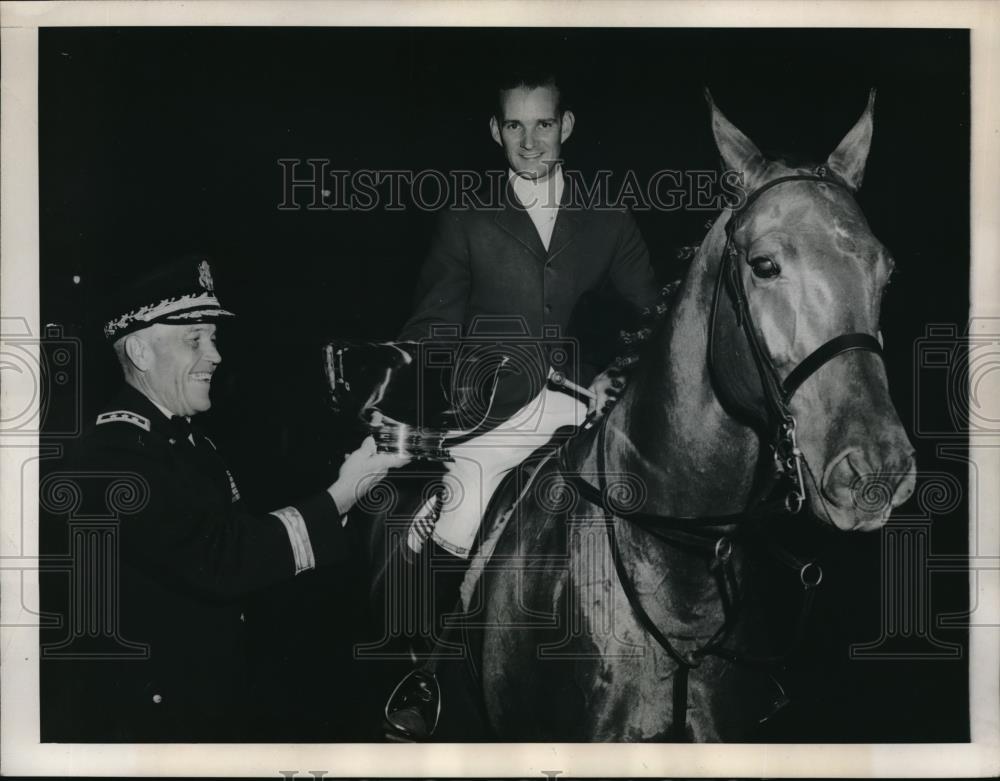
841,476
852,482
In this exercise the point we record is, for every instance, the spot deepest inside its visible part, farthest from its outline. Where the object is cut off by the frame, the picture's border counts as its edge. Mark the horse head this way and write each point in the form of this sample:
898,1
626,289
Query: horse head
810,271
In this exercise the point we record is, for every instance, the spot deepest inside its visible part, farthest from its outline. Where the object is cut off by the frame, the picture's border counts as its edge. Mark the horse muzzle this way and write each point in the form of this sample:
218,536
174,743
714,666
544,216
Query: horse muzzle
860,488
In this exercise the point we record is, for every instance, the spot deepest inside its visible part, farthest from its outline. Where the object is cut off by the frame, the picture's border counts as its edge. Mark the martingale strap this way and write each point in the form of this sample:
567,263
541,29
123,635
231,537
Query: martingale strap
722,567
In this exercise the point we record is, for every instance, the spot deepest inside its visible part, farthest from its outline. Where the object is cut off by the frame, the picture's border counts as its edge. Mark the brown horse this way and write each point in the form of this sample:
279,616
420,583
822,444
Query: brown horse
615,603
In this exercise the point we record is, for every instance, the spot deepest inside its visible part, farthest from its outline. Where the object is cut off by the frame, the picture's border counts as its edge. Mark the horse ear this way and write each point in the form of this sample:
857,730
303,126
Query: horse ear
738,152
848,160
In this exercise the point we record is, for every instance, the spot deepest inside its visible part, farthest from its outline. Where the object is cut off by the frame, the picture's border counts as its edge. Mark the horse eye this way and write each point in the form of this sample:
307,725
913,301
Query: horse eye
765,268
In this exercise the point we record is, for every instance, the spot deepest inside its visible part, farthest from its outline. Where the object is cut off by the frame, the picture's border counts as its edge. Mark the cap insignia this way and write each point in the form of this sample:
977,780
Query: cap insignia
205,276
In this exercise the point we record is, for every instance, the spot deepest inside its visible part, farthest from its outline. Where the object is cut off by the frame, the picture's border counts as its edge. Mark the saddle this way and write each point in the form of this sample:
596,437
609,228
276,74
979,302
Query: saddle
567,445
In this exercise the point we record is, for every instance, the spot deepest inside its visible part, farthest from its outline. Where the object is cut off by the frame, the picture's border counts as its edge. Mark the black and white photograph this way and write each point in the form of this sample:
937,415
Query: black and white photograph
434,389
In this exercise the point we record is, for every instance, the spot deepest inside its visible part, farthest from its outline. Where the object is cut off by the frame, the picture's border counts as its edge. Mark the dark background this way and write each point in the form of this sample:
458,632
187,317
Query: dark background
167,139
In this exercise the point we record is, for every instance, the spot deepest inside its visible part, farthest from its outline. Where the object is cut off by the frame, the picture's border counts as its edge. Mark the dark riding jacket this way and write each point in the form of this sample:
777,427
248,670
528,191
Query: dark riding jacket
489,274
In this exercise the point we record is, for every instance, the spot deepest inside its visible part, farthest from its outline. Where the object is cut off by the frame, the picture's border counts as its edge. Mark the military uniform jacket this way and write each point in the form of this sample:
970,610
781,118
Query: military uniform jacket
187,551
489,273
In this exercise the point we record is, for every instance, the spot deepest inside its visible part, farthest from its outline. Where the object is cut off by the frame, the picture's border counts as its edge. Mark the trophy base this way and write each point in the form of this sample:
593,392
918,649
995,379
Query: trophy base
420,444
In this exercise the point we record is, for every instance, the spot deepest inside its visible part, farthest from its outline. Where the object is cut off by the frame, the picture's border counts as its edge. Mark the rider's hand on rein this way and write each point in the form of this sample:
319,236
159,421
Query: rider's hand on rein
606,387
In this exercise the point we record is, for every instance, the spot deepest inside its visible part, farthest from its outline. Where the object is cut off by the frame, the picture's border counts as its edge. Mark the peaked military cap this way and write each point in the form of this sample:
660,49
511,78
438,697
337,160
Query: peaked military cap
180,292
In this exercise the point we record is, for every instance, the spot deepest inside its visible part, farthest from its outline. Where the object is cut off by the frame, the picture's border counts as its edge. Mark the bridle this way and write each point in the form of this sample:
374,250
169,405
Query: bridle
774,415
771,414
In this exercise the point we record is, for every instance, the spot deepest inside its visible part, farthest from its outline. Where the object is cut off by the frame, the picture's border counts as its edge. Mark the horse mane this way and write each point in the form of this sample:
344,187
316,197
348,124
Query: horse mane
631,343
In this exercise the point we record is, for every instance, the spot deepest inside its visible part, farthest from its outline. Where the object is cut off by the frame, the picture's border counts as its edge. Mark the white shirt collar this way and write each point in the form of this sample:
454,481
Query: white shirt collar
163,409
533,194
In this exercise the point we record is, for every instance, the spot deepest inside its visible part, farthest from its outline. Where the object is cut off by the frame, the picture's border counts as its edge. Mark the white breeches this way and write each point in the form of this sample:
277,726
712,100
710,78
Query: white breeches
481,463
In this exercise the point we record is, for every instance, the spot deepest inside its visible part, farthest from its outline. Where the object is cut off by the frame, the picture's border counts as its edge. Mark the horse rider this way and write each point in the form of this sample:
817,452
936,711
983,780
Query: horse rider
189,548
523,266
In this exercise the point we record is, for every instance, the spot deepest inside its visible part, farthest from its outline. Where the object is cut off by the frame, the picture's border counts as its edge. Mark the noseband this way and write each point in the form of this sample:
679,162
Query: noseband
776,418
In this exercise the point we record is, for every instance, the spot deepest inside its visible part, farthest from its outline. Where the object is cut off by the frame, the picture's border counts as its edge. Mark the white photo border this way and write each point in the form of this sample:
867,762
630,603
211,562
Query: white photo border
22,754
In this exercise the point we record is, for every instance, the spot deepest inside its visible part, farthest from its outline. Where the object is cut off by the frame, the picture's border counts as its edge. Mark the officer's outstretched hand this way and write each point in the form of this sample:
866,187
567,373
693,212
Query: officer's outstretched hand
361,470
606,387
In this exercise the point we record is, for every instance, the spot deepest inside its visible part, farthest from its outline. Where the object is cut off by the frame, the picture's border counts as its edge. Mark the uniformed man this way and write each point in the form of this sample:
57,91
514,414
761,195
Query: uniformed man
189,549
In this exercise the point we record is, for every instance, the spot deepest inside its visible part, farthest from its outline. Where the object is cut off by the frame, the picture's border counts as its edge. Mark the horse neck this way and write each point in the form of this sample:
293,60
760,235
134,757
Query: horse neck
670,431
670,434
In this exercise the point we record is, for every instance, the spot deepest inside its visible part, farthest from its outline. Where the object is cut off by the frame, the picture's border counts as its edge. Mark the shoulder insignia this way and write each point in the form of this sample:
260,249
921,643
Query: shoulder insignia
123,416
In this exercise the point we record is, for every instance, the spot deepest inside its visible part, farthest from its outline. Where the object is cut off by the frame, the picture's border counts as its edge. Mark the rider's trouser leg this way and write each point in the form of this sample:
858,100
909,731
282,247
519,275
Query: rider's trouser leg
470,482
481,464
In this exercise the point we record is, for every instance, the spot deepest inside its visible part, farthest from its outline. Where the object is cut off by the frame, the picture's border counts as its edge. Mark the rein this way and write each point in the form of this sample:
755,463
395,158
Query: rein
713,534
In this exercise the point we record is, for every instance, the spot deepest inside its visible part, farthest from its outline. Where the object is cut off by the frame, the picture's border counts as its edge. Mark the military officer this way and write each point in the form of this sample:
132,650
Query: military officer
189,549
